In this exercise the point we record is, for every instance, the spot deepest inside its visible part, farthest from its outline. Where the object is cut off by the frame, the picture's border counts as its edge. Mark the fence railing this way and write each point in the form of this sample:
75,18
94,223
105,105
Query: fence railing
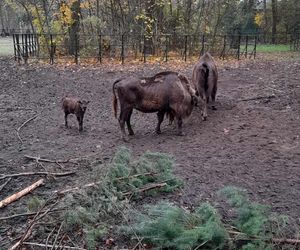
125,47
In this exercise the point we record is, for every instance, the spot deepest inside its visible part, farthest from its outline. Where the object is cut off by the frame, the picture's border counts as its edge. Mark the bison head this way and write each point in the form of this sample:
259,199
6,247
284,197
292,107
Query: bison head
83,105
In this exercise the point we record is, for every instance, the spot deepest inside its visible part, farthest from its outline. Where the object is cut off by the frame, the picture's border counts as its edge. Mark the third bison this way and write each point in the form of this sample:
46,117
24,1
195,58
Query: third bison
205,78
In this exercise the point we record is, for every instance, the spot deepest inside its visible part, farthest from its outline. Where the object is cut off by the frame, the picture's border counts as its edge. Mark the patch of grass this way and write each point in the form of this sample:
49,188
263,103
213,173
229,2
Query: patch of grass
267,48
6,46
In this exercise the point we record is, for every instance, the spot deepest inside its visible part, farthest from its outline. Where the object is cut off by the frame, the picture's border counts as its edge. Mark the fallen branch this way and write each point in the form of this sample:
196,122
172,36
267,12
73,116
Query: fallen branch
256,98
46,160
37,173
29,229
52,246
23,124
27,214
23,192
273,240
146,188
5,184
93,184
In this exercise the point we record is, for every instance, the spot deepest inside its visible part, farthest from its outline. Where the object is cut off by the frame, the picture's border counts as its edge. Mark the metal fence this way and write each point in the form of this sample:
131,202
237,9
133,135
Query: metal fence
128,47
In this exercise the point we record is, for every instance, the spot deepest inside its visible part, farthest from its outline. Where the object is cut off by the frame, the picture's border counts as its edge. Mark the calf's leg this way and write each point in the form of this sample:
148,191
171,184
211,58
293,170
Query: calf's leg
122,119
213,97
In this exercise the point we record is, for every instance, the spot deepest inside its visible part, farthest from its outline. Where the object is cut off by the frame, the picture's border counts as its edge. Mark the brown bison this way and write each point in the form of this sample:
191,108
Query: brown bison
205,77
165,93
74,106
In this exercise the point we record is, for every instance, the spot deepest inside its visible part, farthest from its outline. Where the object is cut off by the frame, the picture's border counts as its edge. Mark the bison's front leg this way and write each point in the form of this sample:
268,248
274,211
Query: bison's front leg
160,118
179,126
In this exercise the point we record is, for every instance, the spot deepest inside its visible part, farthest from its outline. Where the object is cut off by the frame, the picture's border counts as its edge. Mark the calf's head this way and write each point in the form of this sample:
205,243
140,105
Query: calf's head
82,105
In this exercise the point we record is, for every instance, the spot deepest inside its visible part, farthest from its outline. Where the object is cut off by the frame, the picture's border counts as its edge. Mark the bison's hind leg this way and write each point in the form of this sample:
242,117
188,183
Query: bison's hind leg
213,98
179,126
130,131
124,114
66,119
160,118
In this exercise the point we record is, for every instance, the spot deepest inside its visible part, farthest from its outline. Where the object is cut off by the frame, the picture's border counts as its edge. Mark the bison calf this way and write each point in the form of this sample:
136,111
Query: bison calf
167,93
205,77
74,106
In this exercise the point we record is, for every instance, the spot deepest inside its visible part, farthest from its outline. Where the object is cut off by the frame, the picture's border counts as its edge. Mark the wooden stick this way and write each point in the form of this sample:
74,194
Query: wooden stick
274,240
256,98
46,160
53,246
37,173
5,184
23,124
146,188
23,192
93,184
27,214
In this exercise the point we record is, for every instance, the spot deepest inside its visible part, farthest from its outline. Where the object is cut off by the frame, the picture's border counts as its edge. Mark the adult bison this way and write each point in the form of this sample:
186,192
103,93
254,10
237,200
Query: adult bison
165,93
205,78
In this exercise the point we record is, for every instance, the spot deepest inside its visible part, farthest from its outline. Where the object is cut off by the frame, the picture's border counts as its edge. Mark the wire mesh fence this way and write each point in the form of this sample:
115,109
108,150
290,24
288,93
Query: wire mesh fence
128,46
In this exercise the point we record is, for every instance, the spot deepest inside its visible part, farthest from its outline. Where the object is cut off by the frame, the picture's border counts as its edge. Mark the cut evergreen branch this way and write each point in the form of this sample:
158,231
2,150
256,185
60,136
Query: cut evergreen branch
93,210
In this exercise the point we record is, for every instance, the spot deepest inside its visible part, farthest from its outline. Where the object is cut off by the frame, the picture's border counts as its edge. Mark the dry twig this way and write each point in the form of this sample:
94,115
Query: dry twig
43,245
29,229
256,98
37,173
23,124
46,160
23,192
146,188
4,184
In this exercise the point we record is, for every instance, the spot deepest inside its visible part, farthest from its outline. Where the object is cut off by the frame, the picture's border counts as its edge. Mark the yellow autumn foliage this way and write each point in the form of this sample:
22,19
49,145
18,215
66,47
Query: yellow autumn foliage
259,17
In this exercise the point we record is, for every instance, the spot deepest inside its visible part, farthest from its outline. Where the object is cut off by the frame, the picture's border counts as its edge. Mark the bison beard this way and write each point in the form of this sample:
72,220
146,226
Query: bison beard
205,77
165,93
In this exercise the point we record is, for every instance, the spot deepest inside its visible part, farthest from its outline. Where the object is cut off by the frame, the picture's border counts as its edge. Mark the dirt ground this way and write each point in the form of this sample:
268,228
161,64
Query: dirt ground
251,141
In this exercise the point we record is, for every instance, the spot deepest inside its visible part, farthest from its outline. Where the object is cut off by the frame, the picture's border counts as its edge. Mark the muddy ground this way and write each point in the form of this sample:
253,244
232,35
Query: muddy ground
251,141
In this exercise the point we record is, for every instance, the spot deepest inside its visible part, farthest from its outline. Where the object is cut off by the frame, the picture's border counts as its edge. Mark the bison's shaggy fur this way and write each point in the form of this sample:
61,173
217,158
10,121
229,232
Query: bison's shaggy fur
165,93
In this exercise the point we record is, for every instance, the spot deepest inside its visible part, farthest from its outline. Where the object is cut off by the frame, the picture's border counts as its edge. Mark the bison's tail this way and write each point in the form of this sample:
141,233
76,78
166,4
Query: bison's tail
115,100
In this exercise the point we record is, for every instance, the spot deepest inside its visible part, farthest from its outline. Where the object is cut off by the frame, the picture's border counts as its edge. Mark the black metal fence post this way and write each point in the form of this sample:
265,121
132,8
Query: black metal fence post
51,49
122,48
25,48
18,49
254,50
166,48
239,47
144,50
100,49
76,47
185,47
224,47
246,48
14,40
202,42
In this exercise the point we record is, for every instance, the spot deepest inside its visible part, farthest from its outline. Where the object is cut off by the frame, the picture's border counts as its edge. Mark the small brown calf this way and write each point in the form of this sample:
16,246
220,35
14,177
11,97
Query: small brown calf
74,106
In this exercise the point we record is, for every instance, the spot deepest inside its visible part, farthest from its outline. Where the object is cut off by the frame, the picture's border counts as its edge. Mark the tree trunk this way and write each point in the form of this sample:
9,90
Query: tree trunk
266,21
74,28
274,21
